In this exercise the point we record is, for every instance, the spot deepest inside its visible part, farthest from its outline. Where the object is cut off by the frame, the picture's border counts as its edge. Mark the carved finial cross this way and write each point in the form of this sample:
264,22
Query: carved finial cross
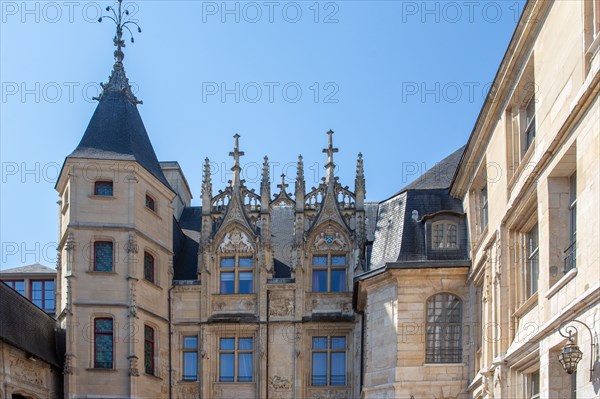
283,185
236,154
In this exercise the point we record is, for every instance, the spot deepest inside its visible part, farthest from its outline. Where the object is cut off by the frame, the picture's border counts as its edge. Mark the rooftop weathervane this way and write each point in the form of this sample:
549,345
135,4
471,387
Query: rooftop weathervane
117,81
120,18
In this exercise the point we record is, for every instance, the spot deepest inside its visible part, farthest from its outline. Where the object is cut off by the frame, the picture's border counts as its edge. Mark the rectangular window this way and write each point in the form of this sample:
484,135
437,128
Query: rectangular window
329,273
103,188
534,385
17,285
328,356
237,275
571,251
148,267
149,350
483,207
103,256
444,236
529,123
190,359
103,343
532,270
150,203
42,294
236,359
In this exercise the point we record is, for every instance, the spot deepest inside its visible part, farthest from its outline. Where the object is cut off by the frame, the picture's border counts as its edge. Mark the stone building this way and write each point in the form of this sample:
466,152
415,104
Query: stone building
35,282
461,285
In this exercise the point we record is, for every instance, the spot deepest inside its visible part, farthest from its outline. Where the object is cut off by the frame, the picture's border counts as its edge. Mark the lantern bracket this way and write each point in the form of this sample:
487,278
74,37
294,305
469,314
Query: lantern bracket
570,331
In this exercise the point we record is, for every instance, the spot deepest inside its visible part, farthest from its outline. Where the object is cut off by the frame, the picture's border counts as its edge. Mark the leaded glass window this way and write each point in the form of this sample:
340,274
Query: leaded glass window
444,329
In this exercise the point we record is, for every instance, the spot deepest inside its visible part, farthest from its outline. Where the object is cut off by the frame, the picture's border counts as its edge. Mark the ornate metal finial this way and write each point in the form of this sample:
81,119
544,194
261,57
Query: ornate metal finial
236,154
117,81
283,185
330,150
120,18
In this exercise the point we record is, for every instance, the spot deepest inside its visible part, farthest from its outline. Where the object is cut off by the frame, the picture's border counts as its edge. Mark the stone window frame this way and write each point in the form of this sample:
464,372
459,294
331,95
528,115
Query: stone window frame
154,280
479,204
151,203
236,269
185,350
93,362
591,30
97,183
329,351
236,352
445,358
151,343
329,268
98,240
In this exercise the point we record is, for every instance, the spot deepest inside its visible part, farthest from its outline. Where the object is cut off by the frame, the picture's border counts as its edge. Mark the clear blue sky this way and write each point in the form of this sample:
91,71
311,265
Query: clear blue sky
400,81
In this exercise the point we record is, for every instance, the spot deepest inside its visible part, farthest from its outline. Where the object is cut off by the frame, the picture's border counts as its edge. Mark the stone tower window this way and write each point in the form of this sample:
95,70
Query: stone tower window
235,359
149,267
103,256
103,188
150,203
149,343
103,343
190,358
236,275
328,356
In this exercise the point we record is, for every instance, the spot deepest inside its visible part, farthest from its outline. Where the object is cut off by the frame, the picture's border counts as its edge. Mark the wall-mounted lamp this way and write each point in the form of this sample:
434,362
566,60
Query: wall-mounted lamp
570,355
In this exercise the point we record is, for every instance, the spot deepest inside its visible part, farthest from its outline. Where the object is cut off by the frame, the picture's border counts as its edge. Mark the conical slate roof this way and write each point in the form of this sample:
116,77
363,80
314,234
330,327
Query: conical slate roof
116,130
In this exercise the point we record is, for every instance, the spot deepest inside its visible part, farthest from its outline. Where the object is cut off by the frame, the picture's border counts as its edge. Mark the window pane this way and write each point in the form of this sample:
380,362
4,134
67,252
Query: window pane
338,260
104,188
103,350
338,280
319,343
148,267
190,342
103,325
245,283
227,344
148,350
228,262
227,283
338,342
319,260
451,239
245,367
150,204
438,236
103,256
19,286
246,262
319,283
245,344
319,369
190,366
338,368
226,367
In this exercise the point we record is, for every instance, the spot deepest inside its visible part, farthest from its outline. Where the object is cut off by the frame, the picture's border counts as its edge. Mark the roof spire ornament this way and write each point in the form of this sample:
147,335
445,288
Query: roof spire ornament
300,184
118,82
283,185
359,183
330,150
236,168
206,187
265,186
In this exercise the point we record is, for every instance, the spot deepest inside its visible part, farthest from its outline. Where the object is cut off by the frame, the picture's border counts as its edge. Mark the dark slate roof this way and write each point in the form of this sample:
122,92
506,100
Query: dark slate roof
116,132
282,233
191,218
400,232
29,328
439,176
371,209
185,249
281,270
35,268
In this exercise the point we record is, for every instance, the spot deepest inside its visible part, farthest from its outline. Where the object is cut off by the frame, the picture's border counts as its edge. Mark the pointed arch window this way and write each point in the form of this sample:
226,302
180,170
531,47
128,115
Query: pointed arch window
444,329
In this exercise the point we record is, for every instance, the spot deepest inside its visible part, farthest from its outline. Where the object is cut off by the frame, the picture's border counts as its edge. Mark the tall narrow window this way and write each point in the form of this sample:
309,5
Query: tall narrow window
483,207
532,270
17,285
103,256
148,267
236,359
150,203
328,355
42,294
236,275
103,343
534,385
103,188
149,350
329,273
529,133
190,358
571,251
444,329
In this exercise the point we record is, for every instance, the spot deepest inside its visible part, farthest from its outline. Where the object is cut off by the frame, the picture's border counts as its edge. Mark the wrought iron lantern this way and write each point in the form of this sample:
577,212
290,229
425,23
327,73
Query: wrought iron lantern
570,355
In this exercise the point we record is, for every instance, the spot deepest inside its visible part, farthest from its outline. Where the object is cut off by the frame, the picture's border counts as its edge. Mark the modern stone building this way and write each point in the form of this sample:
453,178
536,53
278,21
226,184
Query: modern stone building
461,285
